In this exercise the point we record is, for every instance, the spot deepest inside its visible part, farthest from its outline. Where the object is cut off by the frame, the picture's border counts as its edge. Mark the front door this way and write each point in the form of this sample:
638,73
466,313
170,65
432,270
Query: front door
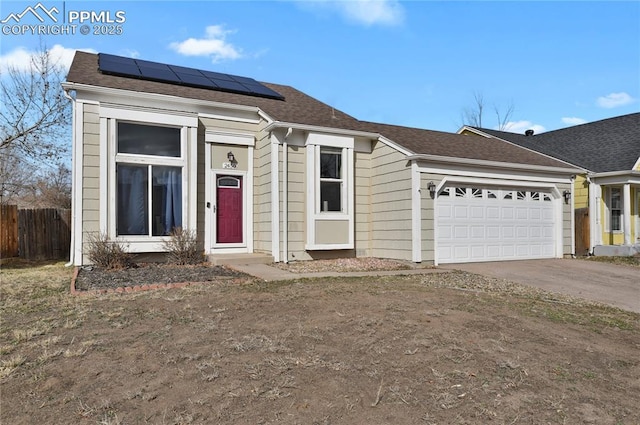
229,214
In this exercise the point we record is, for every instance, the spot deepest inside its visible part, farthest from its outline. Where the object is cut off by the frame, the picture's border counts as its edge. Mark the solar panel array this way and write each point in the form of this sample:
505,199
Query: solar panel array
154,71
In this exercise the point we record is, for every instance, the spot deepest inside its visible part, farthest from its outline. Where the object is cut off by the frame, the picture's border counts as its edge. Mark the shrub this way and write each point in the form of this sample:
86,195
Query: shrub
182,247
108,254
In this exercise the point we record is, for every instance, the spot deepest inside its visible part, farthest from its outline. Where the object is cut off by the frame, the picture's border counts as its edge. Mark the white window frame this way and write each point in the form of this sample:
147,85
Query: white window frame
341,180
144,243
610,210
315,144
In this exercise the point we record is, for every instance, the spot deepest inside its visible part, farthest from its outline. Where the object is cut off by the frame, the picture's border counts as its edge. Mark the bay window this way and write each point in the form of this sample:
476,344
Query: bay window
149,179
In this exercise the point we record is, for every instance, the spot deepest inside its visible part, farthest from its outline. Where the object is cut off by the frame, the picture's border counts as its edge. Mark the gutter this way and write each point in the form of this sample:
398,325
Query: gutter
72,245
492,164
316,128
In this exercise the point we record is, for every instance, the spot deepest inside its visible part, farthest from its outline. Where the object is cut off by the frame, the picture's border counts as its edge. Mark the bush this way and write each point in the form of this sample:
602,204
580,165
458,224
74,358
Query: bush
108,254
182,247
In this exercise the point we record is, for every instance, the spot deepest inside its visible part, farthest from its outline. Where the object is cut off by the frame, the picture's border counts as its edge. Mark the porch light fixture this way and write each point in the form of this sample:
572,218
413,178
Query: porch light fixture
432,188
567,195
231,157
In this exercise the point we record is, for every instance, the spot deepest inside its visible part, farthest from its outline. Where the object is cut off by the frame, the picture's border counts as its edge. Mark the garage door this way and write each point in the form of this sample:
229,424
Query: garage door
484,224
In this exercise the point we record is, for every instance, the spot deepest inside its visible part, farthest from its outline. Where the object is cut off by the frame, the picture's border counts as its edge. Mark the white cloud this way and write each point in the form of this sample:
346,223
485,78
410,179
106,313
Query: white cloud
521,126
613,100
130,53
213,44
364,12
573,120
20,58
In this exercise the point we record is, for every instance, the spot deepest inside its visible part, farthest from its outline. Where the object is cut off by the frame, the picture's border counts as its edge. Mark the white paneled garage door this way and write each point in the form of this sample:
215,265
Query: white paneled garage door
484,224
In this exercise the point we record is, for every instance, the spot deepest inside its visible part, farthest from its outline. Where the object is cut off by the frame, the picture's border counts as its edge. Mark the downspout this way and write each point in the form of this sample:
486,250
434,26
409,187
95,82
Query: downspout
72,245
285,195
573,217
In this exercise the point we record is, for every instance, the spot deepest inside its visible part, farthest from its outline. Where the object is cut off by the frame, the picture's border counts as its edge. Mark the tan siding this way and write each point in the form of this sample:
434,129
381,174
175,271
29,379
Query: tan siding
202,210
262,194
567,230
296,203
362,163
90,173
427,213
390,204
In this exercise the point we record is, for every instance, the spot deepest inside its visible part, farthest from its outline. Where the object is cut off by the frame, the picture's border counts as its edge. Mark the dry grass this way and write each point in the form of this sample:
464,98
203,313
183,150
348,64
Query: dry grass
447,348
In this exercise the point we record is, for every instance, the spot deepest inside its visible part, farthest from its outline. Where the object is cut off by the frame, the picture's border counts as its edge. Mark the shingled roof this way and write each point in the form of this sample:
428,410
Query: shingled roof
611,144
302,109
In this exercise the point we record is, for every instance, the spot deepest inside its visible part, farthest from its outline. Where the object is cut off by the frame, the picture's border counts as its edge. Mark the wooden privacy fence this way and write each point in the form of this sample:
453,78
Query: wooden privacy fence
8,231
41,234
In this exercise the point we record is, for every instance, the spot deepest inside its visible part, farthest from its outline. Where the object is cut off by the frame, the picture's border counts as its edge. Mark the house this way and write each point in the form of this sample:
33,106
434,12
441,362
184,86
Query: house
607,193
264,168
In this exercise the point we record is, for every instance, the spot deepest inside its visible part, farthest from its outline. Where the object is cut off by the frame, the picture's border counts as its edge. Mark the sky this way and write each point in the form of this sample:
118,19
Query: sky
409,63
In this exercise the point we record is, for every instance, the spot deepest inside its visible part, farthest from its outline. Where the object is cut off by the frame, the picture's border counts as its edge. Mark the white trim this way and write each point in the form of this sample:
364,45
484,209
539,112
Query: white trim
223,117
626,213
493,164
594,215
215,246
416,214
313,198
463,171
319,129
144,98
228,138
395,146
637,236
573,218
162,118
249,209
105,123
330,141
285,201
498,182
558,204
191,196
78,161
209,215
275,199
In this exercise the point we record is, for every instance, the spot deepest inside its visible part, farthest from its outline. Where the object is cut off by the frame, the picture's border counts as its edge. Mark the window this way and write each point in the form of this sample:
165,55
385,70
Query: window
476,193
148,180
616,209
491,195
331,180
461,192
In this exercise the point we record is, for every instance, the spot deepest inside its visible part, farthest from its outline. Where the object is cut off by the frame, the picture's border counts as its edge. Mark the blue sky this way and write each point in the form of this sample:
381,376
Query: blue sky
413,63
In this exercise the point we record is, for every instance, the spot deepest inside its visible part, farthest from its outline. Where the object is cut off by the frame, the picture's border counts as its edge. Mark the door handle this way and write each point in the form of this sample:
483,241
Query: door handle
214,209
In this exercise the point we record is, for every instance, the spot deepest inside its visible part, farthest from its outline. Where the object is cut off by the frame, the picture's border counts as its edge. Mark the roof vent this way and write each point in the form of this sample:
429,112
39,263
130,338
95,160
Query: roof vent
528,132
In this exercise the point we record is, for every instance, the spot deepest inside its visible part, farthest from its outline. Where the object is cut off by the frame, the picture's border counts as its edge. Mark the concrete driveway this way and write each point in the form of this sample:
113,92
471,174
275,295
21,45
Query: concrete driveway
611,284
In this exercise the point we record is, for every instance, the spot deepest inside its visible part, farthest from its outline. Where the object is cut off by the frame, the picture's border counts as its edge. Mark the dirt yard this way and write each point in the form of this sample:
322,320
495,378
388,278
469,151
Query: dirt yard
450,348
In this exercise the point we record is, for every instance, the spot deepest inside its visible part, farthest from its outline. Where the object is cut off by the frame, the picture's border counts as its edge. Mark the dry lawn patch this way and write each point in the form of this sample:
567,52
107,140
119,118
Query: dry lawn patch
451,348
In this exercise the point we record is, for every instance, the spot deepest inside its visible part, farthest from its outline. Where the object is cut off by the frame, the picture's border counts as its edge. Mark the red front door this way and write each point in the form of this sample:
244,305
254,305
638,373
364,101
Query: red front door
229,209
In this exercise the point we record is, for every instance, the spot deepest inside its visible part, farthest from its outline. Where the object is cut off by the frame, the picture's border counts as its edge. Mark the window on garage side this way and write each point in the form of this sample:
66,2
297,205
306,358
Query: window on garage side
148,188
331,180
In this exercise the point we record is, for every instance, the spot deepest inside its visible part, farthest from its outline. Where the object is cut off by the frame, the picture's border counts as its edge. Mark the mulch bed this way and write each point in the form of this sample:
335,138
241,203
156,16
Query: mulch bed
96,278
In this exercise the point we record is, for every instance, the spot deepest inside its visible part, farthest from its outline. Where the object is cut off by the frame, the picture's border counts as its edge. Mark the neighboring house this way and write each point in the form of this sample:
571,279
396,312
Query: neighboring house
264,168
607,193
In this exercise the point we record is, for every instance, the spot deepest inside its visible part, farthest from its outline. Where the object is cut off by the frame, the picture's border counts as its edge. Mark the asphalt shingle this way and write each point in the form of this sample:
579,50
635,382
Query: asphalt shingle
611,144
303,109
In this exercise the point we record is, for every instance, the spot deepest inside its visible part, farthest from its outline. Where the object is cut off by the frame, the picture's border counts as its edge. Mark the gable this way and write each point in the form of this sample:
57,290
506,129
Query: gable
607,145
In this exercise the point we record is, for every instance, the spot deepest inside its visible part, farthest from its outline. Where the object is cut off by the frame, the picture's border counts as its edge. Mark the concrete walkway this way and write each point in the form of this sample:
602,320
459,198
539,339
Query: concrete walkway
271,274
611,284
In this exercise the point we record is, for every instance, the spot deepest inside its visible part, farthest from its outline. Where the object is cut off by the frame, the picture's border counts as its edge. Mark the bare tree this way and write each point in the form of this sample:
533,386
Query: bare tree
35,130
35,116
474,114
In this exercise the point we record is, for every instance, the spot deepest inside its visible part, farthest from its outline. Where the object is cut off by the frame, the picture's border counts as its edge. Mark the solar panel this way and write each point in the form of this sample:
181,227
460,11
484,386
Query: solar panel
159,74
155,71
